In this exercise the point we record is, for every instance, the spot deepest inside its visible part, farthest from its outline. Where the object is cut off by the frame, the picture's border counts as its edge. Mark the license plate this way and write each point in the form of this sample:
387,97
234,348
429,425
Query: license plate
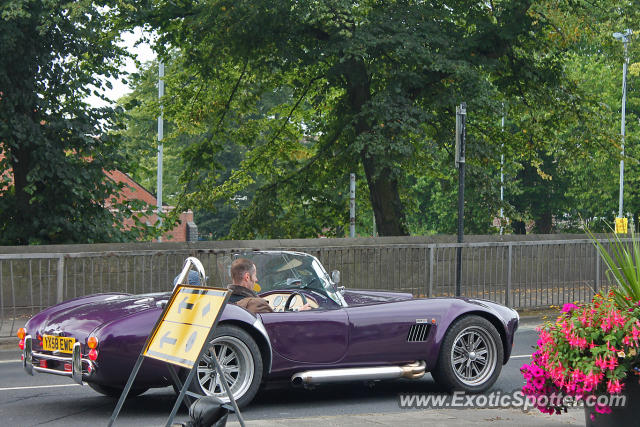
61,344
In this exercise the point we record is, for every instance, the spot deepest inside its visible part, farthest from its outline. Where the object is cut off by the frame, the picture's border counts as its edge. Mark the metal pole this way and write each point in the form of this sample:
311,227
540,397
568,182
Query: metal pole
461,115
502,176
431,267
507,295
622,125
596,288
223,380
160,137
624,37
352,206
125,392
374,225
60,280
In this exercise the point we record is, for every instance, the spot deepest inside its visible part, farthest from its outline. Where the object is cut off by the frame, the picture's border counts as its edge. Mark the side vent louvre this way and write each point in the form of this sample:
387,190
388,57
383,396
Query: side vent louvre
418,332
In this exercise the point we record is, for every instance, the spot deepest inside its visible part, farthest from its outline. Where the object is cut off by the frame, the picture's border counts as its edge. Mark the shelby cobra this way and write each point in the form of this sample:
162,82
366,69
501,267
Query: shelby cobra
350,335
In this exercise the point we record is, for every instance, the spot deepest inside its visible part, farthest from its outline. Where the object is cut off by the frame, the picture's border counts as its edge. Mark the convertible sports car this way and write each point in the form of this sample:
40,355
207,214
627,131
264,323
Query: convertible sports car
349,335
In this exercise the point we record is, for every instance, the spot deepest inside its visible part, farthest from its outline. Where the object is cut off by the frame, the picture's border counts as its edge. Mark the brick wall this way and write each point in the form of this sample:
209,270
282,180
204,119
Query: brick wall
133,190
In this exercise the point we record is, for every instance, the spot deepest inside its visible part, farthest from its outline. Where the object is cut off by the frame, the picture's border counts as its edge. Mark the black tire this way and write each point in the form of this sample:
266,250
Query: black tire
471,356
238,355
115,392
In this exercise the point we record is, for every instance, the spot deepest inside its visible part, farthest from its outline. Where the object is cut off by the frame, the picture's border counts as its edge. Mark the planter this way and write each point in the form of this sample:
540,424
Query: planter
627,415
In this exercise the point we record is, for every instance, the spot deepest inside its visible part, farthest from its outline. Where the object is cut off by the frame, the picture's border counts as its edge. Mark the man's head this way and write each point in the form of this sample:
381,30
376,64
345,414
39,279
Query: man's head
243,273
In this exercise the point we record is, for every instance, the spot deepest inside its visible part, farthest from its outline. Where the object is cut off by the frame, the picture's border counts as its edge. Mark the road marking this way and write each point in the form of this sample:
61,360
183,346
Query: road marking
521,356
38,386
10,361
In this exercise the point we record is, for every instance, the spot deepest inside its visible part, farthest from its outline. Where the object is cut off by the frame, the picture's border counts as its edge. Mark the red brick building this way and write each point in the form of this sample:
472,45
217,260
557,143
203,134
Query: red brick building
185,231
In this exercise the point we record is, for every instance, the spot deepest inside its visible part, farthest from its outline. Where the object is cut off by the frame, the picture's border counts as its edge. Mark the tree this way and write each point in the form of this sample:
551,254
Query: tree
574,178
375,82
57,147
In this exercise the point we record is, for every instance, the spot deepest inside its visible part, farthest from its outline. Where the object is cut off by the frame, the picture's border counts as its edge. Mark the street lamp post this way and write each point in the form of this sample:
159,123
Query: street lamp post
624,38
160,138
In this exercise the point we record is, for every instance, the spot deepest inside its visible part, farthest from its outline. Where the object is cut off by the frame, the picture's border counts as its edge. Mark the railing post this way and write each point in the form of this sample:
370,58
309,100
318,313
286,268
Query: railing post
507,296
60,294
597,281
430,292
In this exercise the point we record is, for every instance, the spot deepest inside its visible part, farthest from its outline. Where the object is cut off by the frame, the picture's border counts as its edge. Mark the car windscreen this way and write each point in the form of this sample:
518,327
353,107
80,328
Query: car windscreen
290,271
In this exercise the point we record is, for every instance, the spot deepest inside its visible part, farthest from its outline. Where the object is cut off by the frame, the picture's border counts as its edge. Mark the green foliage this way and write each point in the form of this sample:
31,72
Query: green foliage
574,173
54,55
370,86
333,87
623,268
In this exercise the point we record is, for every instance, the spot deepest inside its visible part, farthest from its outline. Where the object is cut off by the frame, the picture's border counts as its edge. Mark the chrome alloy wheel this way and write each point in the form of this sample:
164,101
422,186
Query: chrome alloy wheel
474,355
237,367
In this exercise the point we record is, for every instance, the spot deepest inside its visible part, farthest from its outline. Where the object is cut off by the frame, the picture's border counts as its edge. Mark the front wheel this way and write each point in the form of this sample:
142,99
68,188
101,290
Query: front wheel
241,363
470,357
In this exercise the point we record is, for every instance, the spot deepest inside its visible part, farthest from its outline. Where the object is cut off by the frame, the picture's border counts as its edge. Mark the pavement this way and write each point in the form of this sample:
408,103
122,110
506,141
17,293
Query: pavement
507,417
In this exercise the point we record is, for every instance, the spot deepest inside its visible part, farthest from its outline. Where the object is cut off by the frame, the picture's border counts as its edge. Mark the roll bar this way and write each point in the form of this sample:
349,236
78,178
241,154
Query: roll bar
189,263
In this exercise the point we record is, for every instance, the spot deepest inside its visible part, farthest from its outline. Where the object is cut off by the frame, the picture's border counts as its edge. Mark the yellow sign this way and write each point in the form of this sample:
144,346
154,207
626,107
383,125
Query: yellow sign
181,333
621,225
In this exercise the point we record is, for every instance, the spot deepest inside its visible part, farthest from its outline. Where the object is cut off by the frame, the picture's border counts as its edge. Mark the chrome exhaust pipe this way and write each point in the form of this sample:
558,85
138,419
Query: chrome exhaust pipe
412,371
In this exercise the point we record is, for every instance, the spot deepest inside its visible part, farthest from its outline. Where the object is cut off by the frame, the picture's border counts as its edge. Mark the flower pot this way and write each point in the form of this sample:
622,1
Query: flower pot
627,415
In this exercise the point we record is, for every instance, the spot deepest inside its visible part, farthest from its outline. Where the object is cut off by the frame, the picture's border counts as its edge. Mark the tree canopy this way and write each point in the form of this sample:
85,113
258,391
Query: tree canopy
55,53
270,105
369,86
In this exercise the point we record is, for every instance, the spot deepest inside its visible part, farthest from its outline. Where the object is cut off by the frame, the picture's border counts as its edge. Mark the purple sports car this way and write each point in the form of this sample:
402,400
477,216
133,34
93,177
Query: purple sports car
350,335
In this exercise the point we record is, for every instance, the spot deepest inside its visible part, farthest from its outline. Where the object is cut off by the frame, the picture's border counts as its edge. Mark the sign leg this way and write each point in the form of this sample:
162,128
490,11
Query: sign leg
178,383
125,392
226,388
183,391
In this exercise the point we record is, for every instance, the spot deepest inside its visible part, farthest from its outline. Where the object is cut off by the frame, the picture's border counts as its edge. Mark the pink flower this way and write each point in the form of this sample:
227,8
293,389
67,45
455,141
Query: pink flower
536,371
526,371
602,409
614,387
618,319
601,363
591,381
569,307
538,383
575,341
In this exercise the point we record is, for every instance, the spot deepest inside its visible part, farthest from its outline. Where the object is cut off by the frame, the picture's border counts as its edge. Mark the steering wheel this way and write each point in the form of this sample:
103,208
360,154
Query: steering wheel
291,297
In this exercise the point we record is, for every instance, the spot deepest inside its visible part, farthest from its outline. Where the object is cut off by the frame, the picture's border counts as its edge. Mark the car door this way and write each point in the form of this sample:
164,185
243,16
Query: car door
388,333
313,336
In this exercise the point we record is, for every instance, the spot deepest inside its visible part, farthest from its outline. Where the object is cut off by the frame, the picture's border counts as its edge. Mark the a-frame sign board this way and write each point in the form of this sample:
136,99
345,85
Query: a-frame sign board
181,336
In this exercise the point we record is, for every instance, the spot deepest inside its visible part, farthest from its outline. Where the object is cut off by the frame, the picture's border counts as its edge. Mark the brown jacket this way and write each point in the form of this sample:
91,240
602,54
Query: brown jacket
248,299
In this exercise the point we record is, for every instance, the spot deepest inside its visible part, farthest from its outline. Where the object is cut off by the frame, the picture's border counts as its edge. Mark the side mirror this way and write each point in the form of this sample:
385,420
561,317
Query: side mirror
335,276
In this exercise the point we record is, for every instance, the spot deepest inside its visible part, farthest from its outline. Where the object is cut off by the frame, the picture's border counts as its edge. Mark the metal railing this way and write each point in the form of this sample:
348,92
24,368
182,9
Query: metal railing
523,275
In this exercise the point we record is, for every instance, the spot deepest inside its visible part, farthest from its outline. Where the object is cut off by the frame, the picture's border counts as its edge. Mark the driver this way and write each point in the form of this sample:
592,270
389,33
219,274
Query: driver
244,276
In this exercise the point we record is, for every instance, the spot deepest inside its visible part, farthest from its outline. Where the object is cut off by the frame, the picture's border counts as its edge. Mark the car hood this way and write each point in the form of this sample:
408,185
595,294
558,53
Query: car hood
81,316
362,297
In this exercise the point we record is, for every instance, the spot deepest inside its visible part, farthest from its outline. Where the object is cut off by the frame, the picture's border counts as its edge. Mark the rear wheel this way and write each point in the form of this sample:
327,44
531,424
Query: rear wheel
116,391
241,363
471,356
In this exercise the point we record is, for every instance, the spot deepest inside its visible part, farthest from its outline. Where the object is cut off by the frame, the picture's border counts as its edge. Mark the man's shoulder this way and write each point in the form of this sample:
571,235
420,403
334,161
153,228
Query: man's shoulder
241,290
254,305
